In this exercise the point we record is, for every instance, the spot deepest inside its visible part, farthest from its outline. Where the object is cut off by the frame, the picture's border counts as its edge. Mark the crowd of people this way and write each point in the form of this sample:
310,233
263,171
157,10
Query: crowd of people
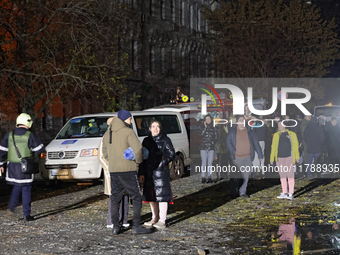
305,147
140,171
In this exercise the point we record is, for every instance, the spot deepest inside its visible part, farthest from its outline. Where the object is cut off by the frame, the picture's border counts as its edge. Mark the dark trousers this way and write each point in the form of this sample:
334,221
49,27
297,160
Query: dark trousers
121,182
14,200
123,211
234,187
312,157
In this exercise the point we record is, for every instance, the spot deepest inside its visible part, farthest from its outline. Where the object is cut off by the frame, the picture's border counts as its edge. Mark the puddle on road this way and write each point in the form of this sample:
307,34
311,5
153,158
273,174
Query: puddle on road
298,234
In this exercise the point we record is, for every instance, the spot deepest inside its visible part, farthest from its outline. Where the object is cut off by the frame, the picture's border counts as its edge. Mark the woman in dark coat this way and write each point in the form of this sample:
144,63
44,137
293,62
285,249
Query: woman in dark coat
207,147
154,173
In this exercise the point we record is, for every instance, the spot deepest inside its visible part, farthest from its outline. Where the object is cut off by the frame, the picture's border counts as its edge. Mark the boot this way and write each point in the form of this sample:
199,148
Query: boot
115,230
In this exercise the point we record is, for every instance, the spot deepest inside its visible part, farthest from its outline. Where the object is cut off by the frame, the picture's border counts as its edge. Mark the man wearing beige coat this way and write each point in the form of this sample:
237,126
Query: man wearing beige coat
123,172
124,204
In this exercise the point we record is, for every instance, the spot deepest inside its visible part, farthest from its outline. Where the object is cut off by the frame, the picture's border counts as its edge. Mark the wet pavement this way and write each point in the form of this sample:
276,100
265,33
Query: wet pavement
203,220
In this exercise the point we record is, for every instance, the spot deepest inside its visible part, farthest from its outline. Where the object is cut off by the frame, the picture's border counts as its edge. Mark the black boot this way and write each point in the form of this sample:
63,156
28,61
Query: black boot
28,218
115,230
141,230
210,180
203,180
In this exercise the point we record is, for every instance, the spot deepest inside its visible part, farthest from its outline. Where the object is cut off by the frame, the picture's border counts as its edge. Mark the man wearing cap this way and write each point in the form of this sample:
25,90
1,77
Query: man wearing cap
28,144
242,143
124,204
123,172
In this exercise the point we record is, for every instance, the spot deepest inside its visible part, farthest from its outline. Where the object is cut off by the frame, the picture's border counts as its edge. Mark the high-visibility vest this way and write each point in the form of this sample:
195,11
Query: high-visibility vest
21,142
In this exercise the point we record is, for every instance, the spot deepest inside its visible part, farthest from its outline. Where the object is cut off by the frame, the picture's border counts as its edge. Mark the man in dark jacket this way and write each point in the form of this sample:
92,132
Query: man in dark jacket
303,125
260,130
333,131
242,143
123,172
314,138
28,144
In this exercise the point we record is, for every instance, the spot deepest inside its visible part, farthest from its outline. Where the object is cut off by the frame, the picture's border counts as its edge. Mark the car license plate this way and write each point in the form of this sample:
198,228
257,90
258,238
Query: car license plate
59,172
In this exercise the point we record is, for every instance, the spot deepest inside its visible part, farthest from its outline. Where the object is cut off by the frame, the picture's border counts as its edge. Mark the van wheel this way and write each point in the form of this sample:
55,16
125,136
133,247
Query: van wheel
177,168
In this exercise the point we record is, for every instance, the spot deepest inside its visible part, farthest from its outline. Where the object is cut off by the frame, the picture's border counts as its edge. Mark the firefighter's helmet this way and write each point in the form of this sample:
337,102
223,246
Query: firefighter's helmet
24,119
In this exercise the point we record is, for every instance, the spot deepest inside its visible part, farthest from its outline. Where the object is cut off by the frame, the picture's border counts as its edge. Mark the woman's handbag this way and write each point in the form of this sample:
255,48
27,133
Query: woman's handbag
27,164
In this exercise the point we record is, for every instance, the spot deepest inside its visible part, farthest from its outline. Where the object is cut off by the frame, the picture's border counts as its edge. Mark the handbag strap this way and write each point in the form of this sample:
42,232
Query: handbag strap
15,146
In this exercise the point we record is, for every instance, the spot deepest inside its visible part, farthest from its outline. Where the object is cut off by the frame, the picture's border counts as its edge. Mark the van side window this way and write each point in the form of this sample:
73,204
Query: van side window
170,124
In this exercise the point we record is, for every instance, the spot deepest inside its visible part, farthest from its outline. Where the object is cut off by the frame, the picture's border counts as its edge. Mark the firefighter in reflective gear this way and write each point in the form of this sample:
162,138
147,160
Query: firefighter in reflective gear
28,144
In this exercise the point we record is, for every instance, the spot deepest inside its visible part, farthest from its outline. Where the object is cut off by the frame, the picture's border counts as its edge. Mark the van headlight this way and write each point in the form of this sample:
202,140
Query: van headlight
89,153
43,155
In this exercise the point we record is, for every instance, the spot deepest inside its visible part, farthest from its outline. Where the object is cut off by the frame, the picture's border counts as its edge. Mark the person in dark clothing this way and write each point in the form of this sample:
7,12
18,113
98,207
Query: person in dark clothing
28,144
154,173
333,131
207,147
303,125
260,130
322,124
314,138
242,143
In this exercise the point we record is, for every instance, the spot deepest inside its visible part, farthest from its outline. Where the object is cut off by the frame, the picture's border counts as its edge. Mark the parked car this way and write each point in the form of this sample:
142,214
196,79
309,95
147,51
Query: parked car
72,154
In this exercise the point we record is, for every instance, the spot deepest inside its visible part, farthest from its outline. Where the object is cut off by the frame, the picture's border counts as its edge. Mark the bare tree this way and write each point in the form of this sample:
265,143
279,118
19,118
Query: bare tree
270,38
51,48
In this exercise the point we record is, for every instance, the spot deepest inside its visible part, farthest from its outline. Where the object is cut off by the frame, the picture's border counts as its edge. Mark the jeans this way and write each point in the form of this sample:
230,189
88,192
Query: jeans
243,162
310,159
207,160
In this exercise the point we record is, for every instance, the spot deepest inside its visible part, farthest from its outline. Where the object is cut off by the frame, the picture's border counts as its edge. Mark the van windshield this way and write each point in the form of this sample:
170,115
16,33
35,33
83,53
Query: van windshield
84,128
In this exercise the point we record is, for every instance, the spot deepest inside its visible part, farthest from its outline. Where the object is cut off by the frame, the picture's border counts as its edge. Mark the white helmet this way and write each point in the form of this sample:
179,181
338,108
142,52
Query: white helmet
24,119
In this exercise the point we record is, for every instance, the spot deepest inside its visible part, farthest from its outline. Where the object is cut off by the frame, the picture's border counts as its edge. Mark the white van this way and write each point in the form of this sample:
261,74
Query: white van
328,111
72,154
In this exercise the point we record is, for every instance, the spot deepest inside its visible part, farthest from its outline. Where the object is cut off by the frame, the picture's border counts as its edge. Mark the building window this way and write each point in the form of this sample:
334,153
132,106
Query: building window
191,65
173,59
134,54
152,59
183,62
163,61
173,11
191,15
183,13
199,20
198,65
152,7
162,9
207,65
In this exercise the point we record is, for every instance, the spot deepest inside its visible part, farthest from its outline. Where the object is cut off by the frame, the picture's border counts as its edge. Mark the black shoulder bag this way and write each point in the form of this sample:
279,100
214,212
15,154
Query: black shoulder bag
27,164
